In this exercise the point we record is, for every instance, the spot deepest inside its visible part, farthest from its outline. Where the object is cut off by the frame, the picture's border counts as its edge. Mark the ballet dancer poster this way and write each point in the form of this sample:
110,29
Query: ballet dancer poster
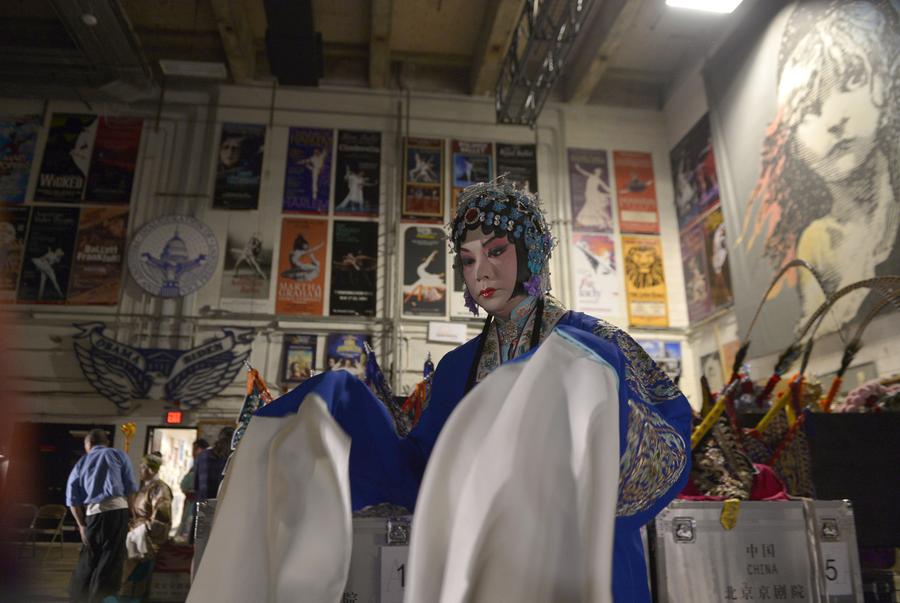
519,163
18,135
696,274
589,189
354,268
13,228
44,278
636,192
307,180
645,281
67,158
357,173
424,271
347,351
301,267
239,160
298,358
99,254
598,290
471,162
423,178
694,174
248,258
114,160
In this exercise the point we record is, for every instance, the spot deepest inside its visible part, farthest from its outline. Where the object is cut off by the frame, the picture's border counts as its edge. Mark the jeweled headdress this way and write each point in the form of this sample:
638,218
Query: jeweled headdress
500,206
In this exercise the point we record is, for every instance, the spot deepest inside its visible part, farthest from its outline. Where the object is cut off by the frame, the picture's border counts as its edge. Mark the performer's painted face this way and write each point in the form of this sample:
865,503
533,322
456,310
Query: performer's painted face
489,266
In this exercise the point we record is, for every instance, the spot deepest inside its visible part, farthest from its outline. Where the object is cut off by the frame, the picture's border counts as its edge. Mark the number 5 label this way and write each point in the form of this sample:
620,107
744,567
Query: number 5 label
837,569
393,573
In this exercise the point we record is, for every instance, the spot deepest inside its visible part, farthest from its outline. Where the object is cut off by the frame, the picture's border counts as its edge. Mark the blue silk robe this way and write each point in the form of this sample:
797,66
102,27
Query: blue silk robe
654,429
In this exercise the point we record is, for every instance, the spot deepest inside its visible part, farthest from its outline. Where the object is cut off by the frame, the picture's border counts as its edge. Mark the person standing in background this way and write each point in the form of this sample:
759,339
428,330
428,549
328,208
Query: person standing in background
100,492
210,464
185,529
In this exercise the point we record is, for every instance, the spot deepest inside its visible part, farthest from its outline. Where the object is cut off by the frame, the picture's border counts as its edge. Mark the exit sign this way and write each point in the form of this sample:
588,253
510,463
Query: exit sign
173,417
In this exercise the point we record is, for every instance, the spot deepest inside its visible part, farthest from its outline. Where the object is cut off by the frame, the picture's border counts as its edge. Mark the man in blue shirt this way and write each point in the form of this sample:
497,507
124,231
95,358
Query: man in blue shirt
99,492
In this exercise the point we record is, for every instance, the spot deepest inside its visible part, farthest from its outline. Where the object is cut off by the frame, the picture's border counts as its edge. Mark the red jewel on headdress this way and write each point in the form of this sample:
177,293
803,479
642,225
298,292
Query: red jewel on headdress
471,215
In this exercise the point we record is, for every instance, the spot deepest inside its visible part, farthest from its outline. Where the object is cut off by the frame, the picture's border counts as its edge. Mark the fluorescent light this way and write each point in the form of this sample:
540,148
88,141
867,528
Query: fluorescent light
711,6
196,69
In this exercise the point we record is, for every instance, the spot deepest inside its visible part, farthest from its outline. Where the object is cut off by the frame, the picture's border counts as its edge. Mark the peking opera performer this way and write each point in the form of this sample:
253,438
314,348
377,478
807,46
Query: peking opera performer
546,443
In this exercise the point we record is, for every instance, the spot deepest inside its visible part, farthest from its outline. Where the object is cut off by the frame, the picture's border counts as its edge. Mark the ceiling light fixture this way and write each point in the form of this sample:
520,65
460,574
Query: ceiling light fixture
711,6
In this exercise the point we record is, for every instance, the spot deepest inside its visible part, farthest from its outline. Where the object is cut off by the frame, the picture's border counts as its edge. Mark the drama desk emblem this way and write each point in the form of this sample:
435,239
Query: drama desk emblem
173,256
191,377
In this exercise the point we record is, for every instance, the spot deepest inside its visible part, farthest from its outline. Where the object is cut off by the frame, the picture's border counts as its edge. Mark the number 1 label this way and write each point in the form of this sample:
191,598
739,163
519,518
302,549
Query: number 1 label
393,573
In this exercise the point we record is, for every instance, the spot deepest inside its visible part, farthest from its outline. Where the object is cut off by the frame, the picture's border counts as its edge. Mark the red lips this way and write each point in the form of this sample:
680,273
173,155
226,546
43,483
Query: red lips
487,293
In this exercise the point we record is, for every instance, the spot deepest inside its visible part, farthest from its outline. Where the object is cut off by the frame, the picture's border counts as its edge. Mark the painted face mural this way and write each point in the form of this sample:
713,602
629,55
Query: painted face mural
489,265
828,190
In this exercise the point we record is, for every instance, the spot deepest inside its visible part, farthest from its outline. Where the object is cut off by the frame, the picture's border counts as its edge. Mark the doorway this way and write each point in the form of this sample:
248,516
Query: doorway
175,444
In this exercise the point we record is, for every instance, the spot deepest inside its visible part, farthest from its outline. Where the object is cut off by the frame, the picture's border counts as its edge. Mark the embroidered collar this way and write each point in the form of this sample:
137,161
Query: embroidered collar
511,329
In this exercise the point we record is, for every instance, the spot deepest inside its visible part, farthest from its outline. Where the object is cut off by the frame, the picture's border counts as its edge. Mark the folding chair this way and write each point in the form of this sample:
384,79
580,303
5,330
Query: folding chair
49,520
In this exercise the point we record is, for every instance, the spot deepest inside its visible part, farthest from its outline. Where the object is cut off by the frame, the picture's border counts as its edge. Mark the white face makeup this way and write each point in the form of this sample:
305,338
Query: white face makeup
490,266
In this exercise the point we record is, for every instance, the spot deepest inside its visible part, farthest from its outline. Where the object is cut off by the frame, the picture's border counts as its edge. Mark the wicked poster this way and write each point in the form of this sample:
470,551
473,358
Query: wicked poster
354,268
471,162
424,267
239,166
18,135
519,163
804,106
694,174
636,192
423,178
67,158
298,358
589,189
113,160
357,173
44,277
347,351
307,179
301,267
696,273
717,259
248,258
99,255
595,275
13,228
645,281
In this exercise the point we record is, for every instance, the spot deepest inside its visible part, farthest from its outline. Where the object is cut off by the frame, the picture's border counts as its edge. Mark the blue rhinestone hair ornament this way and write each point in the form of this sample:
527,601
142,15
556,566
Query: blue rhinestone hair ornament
504,208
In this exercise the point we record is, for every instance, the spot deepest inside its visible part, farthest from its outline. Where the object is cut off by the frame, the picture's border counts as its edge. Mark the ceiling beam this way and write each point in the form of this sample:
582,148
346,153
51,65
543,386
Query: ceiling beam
600,40
497,27
237,38
380,44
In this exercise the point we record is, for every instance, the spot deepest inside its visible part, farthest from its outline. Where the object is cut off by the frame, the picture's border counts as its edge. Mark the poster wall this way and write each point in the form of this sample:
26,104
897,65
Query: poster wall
354,268
636,196
423,178
812,171
470,162
301,267
298,357
519,163
307,179
424,266
645,281
347,351
99,256
18,136
248,258
13,228
696,275
596,279
46,267
239,166
358,173
590,193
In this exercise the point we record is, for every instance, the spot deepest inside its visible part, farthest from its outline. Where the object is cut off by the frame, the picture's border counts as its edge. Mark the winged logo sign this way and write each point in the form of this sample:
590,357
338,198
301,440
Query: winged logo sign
123,373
